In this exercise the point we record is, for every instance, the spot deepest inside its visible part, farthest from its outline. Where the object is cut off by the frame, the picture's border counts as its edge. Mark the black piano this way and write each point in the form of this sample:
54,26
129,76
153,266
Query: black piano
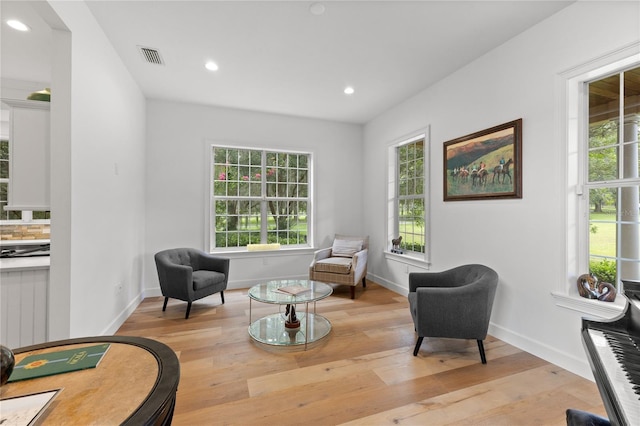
613,350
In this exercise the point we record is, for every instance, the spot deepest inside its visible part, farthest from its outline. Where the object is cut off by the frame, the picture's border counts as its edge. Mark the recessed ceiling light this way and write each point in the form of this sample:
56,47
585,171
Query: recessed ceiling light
17,25
349,90
317,9
211,66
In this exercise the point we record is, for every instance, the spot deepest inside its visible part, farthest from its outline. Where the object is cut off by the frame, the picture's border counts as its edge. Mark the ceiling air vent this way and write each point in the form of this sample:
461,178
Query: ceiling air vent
151,55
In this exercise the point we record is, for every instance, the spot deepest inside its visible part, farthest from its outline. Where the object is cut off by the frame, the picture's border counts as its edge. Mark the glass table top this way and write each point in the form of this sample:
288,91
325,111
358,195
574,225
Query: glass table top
271,330
268,292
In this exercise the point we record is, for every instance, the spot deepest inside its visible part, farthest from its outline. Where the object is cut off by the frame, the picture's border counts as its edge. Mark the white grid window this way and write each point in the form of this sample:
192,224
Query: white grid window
408,191
259,197
410,198
611,180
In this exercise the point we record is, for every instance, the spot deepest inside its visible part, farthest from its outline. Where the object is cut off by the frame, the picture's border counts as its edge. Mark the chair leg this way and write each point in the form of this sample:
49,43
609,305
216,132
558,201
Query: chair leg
353,291
164,307
188,310
418,343
364,282
481,348
222,296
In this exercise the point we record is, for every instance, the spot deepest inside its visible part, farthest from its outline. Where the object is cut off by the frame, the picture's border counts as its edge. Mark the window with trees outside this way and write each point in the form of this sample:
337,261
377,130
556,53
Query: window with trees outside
611,189
260,197
4,184
13,216
408,196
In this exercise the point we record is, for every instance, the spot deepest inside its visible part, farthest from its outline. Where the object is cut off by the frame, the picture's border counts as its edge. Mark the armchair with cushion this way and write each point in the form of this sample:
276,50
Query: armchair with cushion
455,303
345,262
189,274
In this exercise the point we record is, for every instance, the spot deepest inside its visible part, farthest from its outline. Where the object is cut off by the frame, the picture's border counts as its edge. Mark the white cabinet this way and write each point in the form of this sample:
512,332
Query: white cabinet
29,154
24,284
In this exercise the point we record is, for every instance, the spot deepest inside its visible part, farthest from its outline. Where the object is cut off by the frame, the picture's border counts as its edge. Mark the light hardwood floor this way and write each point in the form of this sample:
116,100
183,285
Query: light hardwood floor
363,373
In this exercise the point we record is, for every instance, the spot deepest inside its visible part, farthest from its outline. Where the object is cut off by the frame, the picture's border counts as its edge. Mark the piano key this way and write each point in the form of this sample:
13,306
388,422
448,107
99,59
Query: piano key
623,386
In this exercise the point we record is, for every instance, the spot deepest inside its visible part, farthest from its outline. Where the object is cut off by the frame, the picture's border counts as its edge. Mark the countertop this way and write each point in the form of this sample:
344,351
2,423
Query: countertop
11,264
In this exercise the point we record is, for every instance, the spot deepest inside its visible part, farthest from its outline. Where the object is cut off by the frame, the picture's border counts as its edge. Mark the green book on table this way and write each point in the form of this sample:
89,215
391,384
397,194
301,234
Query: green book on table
58,362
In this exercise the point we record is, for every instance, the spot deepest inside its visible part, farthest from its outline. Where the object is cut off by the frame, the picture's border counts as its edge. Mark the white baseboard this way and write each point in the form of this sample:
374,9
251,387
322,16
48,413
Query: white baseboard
122,317
564,360
396,288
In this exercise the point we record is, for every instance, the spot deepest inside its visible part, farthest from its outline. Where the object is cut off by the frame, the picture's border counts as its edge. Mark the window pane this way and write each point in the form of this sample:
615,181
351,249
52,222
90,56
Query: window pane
631,91
419,186
411,168
402,188
403,170
411,224
41,215
271,189
234,170
4,159
232,156
602,222
604,113
256,189
614,233
237,223
603,164
289,171
232,173
243,189
411,186
287,222
604,102
604,269
302,175
303,190
630,160
629,256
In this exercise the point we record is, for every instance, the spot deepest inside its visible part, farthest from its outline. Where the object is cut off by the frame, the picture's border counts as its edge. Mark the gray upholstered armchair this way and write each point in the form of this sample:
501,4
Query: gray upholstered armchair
345,262
189,274
455,303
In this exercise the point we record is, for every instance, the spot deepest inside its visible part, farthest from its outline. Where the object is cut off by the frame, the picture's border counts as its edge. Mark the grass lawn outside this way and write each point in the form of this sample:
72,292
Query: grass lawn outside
602,236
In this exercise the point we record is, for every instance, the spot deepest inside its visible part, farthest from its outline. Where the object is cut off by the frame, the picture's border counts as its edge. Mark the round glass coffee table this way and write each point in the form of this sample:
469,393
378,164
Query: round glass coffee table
277,329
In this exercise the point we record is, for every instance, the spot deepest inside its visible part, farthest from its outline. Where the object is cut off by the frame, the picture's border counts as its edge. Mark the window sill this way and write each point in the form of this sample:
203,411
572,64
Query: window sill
245,254
407,259
591,307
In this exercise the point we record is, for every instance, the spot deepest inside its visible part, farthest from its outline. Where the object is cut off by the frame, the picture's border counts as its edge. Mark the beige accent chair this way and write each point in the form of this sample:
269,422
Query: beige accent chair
345,262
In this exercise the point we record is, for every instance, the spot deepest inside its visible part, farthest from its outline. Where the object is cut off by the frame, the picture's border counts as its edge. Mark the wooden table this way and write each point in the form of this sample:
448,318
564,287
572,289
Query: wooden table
134,384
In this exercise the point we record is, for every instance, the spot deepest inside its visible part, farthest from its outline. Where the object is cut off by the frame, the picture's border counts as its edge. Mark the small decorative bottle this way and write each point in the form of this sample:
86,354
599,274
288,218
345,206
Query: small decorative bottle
291,320
7,361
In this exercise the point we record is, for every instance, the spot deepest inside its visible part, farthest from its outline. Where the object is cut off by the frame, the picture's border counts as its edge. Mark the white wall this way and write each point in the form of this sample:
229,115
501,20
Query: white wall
523,239
98,175
177,173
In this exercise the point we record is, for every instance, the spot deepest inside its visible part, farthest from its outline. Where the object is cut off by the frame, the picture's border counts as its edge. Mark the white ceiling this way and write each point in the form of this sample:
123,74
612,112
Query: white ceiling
276,56
25,55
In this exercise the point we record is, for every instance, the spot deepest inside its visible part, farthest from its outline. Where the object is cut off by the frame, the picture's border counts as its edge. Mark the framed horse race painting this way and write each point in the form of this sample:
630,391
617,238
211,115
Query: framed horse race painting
485,164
